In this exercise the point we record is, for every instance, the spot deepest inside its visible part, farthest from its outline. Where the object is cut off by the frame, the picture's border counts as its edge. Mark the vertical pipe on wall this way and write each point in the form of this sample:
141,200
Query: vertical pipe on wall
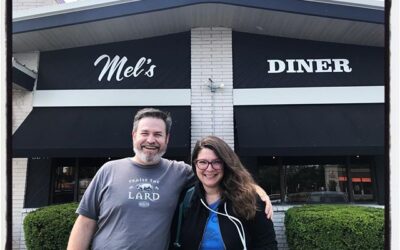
5,165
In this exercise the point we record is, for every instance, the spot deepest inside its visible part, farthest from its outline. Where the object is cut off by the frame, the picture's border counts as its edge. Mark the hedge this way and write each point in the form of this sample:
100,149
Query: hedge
334,227
49,227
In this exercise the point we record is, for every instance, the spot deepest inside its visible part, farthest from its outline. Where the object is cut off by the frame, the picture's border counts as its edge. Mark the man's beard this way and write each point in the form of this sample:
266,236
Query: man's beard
149,159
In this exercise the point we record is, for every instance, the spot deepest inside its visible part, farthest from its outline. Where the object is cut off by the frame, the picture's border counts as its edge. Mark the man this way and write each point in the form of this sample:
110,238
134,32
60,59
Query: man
130,202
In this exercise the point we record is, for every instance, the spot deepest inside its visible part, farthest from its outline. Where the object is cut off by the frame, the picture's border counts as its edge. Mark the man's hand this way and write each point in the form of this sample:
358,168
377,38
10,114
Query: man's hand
264,197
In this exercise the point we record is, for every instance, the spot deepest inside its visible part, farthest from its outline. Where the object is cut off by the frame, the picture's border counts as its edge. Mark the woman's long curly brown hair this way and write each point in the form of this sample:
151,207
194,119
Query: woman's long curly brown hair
237,184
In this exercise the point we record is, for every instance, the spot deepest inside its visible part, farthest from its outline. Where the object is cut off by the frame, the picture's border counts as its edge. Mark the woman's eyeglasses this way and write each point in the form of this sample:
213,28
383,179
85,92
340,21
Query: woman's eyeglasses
203,164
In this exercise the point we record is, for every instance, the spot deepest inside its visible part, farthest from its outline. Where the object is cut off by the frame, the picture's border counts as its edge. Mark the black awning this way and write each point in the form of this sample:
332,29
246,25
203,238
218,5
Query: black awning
309,129
91,132
22,78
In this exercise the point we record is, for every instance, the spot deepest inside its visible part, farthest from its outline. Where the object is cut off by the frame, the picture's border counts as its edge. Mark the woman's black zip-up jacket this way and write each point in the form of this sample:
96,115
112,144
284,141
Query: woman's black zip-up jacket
259,231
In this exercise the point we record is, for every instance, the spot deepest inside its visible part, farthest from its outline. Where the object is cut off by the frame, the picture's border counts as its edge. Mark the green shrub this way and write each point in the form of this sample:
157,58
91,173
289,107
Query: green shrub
49,227
334,227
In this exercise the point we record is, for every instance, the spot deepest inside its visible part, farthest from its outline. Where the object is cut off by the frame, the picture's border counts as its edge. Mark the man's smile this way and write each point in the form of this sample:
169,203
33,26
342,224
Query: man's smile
150,147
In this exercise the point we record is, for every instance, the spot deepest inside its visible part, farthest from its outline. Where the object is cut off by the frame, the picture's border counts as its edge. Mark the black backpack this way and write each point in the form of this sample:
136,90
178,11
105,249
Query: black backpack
183,207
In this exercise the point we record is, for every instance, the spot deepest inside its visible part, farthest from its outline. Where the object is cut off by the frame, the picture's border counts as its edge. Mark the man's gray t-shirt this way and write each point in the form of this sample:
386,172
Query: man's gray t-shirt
133,204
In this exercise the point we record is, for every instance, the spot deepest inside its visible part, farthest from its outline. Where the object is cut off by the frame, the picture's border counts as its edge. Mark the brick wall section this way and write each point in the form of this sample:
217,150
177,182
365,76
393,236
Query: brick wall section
18,192
21,107
211,57
30,4
21,98
279,226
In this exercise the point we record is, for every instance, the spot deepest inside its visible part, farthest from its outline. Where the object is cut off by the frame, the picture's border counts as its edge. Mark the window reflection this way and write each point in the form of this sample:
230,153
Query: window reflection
72,177
319,183
64,184
361,181
268,176
286,179
269,179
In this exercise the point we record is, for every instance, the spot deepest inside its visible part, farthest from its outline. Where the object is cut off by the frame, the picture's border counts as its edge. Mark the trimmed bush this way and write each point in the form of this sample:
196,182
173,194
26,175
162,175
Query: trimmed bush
49,227
334,227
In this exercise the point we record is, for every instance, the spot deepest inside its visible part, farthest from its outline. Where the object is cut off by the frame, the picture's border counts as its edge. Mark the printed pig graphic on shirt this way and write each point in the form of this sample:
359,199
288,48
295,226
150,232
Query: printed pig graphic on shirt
144,187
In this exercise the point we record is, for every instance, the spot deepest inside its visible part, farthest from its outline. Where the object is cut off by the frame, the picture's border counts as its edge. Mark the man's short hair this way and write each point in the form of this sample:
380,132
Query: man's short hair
154,113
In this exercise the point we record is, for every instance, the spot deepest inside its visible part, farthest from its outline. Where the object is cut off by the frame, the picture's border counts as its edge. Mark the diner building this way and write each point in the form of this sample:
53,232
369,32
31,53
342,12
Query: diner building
295,87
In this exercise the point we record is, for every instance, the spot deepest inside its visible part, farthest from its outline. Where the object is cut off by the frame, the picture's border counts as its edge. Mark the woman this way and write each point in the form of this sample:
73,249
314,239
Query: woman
223,212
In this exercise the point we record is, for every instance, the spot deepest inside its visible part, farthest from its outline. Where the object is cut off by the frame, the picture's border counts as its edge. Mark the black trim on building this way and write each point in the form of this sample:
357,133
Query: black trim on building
91,132
22,79
285,130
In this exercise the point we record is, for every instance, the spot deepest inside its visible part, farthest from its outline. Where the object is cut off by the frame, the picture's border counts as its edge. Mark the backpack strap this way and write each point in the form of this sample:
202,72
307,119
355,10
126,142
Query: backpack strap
183,207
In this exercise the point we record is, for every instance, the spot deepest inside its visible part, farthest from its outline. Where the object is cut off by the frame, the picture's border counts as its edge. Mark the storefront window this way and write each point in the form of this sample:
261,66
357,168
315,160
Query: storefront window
64,181
72,177
318,179
317,182
87,169
269,178
361,180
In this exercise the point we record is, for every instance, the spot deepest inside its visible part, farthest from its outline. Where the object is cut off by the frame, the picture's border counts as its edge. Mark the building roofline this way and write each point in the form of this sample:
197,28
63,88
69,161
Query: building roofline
91,11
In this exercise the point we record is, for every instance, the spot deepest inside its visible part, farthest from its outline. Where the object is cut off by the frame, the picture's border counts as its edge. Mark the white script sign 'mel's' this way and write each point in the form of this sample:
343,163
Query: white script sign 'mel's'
308,66
117,68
